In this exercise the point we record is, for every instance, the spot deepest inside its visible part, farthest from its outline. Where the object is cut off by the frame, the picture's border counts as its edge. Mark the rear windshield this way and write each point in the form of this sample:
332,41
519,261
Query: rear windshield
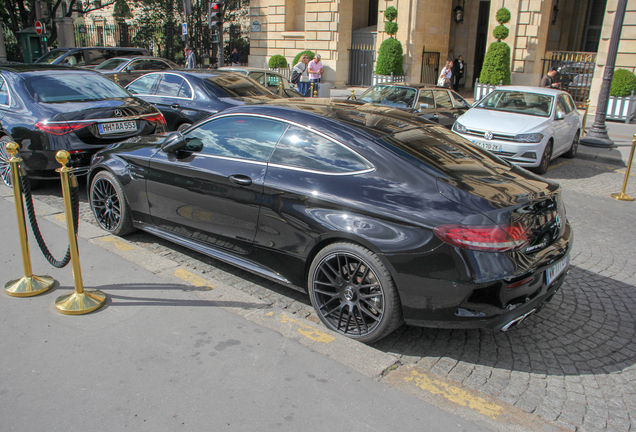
51,56
234,86
72,87
111,64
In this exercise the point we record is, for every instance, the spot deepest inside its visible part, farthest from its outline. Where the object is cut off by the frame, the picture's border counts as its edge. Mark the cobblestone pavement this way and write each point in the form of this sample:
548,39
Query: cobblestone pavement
573,363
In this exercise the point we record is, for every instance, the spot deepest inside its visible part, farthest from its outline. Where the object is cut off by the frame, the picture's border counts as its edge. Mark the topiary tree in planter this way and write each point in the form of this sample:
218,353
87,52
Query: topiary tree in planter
310,54
623,83
277,61
390,54
496,67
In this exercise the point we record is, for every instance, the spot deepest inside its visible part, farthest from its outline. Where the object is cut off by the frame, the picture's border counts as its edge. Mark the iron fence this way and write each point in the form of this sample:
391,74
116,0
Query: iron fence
575,71
105,35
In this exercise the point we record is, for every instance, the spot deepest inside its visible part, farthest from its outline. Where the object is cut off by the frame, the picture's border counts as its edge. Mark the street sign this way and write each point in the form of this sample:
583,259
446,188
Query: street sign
38,27
184,28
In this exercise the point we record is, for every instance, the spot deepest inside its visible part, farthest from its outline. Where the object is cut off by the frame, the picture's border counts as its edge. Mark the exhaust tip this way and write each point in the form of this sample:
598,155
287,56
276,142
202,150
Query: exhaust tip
517,321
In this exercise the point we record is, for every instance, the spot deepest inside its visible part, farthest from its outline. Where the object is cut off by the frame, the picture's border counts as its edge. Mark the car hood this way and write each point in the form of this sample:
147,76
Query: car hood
502,122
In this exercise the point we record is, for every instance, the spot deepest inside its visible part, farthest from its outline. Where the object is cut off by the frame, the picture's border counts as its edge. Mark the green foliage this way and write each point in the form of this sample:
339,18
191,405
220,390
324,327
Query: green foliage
390,58
503,16
623,84
390,13
277,61
310,54
500,32
496,65
390,28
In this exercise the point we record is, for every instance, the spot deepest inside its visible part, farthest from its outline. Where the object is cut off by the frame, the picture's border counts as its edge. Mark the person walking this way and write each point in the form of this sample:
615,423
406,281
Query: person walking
235,57
302,68
548,79
191,60
446,75
458,71
315,69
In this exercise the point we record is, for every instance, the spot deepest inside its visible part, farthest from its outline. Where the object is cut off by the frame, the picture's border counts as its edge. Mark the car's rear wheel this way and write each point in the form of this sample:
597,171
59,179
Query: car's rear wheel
109,205
545,159
353,292
5,166
570,154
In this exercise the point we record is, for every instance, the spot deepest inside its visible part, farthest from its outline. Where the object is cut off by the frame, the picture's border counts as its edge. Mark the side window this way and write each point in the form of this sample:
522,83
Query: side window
305,149
171,85
95,57
459,102
143,85
273,81
4,92
137,65
442,98
75,59
561,106
570,102
259,77
239,137
426,99
564,99
156,65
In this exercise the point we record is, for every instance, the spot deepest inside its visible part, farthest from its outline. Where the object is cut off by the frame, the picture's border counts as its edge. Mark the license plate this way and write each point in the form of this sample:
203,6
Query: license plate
489,146
553,272
117,127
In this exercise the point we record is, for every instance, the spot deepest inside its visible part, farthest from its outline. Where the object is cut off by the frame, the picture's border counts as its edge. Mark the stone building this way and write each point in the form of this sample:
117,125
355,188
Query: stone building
432,31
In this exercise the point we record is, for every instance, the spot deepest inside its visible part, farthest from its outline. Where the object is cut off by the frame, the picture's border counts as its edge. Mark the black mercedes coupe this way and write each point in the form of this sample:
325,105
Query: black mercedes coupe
381,216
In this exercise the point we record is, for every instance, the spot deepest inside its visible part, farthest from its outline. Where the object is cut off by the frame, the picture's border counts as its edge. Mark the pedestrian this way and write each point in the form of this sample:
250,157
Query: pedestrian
446,75
190,59
303,80
458,71
315,70
235,57
548,79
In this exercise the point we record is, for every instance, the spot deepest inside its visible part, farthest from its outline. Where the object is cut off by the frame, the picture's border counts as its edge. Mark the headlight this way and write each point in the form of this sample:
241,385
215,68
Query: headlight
459,128
529,138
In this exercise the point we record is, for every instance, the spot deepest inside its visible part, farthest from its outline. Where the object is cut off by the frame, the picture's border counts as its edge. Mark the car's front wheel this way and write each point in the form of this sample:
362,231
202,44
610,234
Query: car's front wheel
354,293
545,159
109,205
570,154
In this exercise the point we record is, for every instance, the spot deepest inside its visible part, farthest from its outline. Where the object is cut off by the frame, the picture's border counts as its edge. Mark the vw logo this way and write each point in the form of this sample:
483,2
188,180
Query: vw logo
488,136
118,113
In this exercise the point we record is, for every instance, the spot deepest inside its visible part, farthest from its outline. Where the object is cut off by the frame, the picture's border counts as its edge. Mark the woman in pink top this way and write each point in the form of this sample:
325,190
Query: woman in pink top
315,69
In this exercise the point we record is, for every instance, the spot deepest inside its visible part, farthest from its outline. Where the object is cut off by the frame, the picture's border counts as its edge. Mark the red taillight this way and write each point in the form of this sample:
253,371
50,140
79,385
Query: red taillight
155,118
59,128
491,238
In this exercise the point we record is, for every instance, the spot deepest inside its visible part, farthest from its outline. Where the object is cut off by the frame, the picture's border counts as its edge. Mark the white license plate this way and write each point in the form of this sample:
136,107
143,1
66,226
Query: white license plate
117,127
553,272
489,146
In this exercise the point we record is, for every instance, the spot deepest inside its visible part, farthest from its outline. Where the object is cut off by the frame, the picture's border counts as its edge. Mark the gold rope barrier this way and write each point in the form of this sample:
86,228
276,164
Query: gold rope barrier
28,285
622,196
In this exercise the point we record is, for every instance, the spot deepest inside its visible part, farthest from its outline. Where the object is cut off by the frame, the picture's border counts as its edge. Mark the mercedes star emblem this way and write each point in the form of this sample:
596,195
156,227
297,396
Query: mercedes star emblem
118,113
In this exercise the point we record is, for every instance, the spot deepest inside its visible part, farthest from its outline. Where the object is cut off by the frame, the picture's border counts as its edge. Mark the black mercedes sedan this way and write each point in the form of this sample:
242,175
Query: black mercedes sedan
124,70
187,96
48,108
434,103
380,216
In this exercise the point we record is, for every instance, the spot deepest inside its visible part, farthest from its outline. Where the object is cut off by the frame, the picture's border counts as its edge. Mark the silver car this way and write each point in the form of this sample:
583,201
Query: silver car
528,126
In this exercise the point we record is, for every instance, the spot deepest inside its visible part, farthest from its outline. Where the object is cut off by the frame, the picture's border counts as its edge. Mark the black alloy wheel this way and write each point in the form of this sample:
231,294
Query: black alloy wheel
570,154
109,204
545,159
5,166
353,292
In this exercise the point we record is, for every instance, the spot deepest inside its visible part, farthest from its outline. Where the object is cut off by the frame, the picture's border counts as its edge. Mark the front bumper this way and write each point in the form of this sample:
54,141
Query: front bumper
522,154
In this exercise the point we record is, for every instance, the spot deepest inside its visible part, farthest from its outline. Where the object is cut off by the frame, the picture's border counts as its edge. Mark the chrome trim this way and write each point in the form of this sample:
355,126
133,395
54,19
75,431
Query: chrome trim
157,95
231,158
216,253
371,169
102,120
8,92
516,321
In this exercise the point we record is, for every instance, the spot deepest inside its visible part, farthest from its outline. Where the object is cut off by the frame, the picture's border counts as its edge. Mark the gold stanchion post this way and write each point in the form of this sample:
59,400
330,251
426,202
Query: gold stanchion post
587,107
622,196
28,285
280,89
353,96
315,93
311,90
81,301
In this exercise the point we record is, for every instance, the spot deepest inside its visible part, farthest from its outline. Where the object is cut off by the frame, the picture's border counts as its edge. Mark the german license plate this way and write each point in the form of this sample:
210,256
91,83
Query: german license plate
117,127
553,272
489,146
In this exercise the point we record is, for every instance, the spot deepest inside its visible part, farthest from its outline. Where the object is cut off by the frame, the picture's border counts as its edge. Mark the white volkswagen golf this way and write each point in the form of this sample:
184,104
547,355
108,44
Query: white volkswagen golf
528,126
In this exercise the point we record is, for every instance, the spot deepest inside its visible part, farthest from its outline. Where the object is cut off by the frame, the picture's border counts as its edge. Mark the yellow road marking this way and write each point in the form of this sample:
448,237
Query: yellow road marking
305,330
455,394
192,279
119,244
558,165
624,172
61,217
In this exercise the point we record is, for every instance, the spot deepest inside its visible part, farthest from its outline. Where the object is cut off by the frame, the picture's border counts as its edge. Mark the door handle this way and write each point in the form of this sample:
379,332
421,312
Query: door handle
175,106
240,179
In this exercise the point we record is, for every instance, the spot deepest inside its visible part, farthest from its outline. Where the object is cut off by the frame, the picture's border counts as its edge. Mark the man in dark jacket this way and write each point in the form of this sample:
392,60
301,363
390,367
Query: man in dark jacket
459,67
548,79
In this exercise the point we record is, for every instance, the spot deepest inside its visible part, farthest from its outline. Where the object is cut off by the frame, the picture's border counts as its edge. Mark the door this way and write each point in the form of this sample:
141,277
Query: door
482,37
214,196
446,110
562,128
172,97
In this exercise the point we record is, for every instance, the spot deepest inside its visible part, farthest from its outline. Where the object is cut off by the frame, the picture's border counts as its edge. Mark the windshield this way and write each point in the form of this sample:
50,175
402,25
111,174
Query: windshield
51,56
234,86
518,102
111,64
72,87
392,96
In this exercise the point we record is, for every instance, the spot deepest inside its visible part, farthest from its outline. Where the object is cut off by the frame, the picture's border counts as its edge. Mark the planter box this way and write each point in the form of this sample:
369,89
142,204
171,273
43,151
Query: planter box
621,108
379,79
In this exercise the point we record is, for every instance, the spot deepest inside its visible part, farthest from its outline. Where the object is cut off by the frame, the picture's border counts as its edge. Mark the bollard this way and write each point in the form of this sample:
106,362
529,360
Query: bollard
311,90
81,301
28,285
116,79
353,96
315,93
587,106
622,196
280,89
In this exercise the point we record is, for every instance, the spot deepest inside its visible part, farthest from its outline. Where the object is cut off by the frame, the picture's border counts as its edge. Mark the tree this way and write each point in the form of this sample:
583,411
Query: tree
390,54
496,66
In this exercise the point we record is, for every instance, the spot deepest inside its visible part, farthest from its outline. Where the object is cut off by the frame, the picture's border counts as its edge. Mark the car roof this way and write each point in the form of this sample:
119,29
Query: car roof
102,47
414,85
531,89
247,68
138,58
39,67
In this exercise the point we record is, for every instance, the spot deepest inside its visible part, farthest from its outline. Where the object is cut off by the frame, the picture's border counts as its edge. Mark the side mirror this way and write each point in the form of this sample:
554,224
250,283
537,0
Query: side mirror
560,115
173,143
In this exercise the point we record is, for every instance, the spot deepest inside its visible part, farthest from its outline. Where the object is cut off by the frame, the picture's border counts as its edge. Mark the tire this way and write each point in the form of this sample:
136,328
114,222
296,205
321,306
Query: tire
109,205
545,159
5,166
183,126
354,293
571,154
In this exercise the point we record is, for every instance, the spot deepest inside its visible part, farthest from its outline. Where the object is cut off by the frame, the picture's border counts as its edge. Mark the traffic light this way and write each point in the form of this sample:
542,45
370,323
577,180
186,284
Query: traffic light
215,21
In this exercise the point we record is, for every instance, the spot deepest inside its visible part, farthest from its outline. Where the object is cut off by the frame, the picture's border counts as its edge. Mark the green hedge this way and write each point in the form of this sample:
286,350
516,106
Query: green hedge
390,58
496,66
623,84
500,32
310,54
277,61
